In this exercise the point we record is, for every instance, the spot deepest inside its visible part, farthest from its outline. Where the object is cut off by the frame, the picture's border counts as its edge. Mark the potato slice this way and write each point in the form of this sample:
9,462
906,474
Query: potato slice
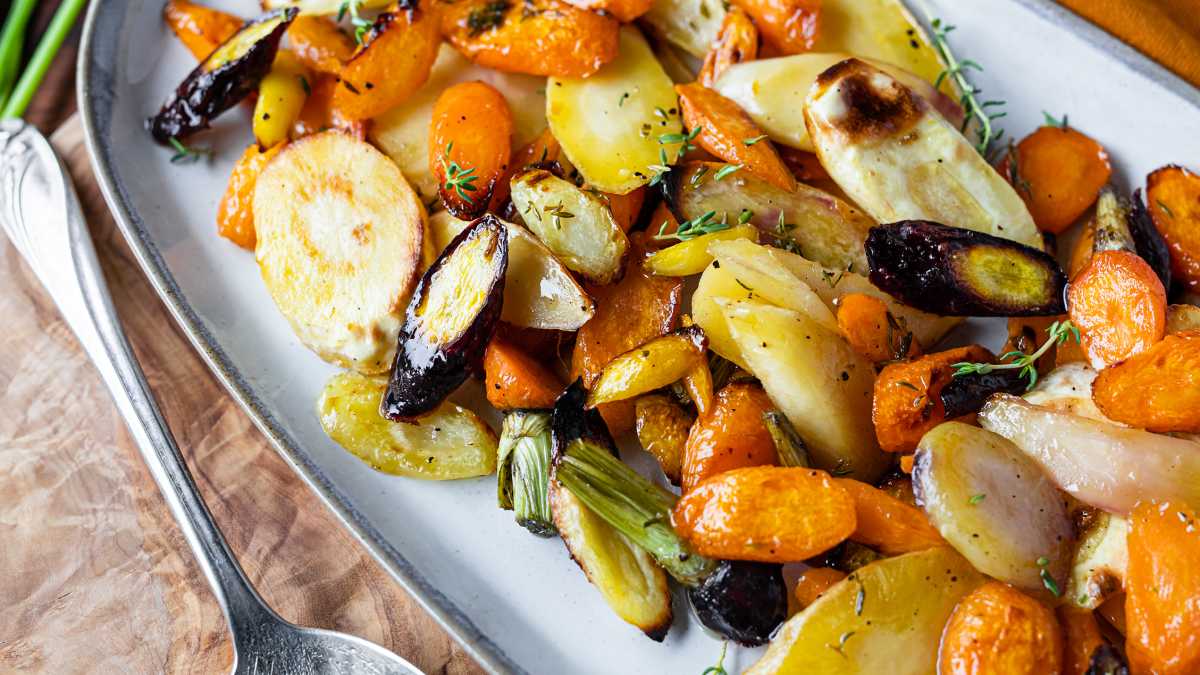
609,124
539,291
691,25
772,92
994,505
650,366
886,617
628,579
339,243
403,132
447,444
577,225
898,159
1098,568
692,256
822,385
318,7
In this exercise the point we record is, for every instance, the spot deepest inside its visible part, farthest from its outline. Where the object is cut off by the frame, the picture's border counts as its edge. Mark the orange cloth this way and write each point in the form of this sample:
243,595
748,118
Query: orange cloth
1167,31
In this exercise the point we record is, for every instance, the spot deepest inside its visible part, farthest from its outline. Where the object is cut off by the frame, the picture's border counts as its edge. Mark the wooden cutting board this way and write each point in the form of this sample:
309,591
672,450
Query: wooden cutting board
94,574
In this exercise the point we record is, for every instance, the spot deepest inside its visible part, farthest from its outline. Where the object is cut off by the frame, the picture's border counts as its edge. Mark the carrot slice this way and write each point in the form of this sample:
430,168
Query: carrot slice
813,582
515,380
787,26
201,29
998,629
1082,636
872,331
1081,253
1162,583
318,113
235,214
729,133
320,44
1158,389
470,146
737,41
887,524
731,436
1119,305
1060,172
626,208
765,513
699,382
907,400
1173,199
392,63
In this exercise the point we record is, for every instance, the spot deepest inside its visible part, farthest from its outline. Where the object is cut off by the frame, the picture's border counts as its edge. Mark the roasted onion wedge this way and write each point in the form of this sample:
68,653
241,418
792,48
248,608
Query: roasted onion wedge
650,366
223,79
958,272
1098,568
449,321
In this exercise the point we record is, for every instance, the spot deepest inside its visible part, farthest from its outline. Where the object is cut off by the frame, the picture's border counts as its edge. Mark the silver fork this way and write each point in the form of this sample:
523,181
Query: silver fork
43,219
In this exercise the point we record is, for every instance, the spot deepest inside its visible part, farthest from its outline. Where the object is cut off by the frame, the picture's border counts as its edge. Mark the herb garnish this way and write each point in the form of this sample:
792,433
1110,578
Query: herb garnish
745,216
187,155
684,139
718,669
361,25
661,169
726,170
975,499
557,213
1048,580
1059,332
459,178
752,141
690,229
487,17
1052,122
957,71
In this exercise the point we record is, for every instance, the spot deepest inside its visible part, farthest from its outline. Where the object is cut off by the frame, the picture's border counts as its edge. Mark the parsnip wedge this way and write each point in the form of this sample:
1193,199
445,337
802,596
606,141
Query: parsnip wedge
649,366
898,159
539,291
818,381
691,25
609,123
339,244
575,224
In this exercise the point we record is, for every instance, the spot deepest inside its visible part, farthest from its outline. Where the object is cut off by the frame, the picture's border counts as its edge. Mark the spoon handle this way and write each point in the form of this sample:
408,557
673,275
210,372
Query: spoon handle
41,214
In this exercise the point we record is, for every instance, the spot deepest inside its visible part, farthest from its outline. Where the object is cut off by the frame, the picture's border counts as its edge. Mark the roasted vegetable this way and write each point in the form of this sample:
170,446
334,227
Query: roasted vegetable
222,80
449,443
618,123
320,7
1109,467
993,504
320,44
1058,172
1110,224
1106,660
470,146
900,160
662,431
1172,193
1098,566
523,470
449,321
649,366
998,629
807,221
515,380
883,618
624,10
736,41
886,31
575,224
907,397
1157,390
393,62
733,435
1162,583
873,331
571,421
318,114
1149,242
949,270
235,214
813,582
966,393
1119,306
887,524
789,447
201,29
1182,318
691,25
340,265
787,26
281,97
691,256
743,601
1081,638
729,134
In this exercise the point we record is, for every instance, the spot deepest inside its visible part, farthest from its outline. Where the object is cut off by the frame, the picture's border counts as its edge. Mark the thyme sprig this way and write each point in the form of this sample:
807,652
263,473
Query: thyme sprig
361,25
718,669
459,178
956,70
1059,332
690,229
187,155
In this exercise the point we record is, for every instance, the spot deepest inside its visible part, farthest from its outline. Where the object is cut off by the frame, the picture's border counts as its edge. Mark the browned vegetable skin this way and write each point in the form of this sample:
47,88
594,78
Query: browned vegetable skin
449,321
223,79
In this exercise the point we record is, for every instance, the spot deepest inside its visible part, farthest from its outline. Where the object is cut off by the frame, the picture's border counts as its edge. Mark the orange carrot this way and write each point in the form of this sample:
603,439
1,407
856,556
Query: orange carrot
1162,584
737,41
907,400
1173,199
320,44
1059,174
1158,389
906,463
1082,637
624,10
1119,306
887,524
813,582
318,113
872,331
513,379
470,146
392,63
543,151
788,26
625,208
201,29
999,630
731,436
235,215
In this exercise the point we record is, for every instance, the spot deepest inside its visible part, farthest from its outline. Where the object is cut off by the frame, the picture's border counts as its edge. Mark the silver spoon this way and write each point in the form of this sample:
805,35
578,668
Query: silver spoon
42,217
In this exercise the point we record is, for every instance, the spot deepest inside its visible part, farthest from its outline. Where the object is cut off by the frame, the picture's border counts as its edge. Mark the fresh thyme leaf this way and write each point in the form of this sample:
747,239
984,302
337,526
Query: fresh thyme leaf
459,178
187,155
745,216
718,669
695,180
1052,122
975,499
690,229
726,170
361,25
956,71
752,141
1050,584
1058,333
489,16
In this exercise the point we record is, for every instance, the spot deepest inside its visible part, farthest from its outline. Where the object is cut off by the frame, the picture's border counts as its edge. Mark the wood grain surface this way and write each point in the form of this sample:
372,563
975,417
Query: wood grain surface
94,575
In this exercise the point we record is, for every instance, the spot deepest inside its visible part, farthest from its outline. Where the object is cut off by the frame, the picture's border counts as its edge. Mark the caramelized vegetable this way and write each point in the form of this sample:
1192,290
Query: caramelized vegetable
789,446
281,97
690,25
662,431
691,256
1098,567
907,399
449,321
949,270
393,62
698,382
1162,618
872,331
1149,242
1182,318
626,208
765,513
1173,200
1081,638
649,366
470,146
1059,172
320,44
729,134
1119,306
731,436
886,523
789,26
1158,389
514,380
813,582
201,29
743,601
318,113
624,10
222,80
541,37
235,214
523,470
449,443
966,393
997,630
737,41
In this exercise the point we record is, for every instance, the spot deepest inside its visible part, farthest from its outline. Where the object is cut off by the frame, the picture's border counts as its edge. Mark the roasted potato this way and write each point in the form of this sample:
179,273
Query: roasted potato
281,97
662,430
880,30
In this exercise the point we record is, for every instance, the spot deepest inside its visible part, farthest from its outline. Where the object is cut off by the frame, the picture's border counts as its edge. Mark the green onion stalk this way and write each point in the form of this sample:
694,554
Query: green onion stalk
632,505
11,43
523,478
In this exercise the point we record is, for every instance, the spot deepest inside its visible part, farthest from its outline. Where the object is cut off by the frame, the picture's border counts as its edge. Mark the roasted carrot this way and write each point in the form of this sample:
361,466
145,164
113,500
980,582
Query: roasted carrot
907,400
1082,251
513,379
235,215
1173,199
1119,306
318,113
662,430
1112,611
201,29
787,26
662,220
765,513
1059,173
543,151
470,146
1158,389
1162,584
1182,318
737,41
625,208
729,133
624,10
998,630
872,331
906,463
887,524
393,62
804,165
731,436
813,582
1081,636
1027,334
320,44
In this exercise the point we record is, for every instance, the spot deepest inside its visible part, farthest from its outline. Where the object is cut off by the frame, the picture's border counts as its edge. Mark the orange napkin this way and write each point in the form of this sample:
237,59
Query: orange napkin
1167,31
